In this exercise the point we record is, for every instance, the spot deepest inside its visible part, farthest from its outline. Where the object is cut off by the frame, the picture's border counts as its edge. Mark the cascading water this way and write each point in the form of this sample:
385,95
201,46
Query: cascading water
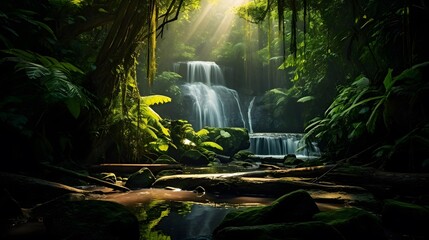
249,114
281,144
211,103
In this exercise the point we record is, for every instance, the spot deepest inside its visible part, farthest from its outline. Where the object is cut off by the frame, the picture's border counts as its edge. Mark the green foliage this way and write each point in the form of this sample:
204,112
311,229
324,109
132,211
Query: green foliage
167,83
135,126
254,11
155,99
362,111
54,77
281,106
344,119
185,138
18,24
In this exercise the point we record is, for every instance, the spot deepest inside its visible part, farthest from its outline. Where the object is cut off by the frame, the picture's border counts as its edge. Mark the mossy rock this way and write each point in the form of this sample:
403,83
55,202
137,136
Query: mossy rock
353,223
106,176
194,158
291,160
169,172
406,218
280,231
292,207
165,159
90,220
232,139
143,178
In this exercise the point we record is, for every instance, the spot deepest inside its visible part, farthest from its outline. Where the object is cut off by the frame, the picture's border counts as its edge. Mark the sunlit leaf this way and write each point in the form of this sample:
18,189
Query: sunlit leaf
155,99
305,99
211,145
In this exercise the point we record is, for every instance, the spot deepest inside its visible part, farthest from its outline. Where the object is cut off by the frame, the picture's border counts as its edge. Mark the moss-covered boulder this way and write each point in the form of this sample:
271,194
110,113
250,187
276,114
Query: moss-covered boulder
231,139
168,172
165,159
406,218
280,231
194,158
106,176
292,207
143,178
291,160
90,220
353,223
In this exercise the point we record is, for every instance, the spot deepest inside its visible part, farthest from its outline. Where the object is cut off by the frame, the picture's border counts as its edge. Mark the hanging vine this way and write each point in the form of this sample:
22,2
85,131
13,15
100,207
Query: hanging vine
257,11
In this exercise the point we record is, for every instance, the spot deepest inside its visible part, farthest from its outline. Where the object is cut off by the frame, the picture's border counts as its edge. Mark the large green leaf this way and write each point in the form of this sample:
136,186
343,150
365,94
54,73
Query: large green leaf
211,145
305,99
155,99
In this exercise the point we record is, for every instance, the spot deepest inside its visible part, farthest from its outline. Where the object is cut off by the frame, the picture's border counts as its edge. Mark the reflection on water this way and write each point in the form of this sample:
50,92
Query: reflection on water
169,220
200,222
166,214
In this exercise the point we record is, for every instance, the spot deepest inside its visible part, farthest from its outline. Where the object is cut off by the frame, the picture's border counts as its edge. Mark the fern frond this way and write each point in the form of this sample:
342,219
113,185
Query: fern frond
155,99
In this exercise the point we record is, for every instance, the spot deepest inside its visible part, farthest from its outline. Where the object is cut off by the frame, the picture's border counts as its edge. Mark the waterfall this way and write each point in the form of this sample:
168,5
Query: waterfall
206,72
249,114
281,144
210,103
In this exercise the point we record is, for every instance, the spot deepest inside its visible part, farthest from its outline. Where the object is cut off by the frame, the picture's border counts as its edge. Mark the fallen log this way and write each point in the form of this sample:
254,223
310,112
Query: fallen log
128,168
242,185
377,181
29,191
381,182
85,178
265,159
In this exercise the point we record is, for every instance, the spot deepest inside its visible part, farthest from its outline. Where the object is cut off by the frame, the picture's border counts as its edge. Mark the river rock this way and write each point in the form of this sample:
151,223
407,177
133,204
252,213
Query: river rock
194,158
90,220
406,218
353,223
165,159
292,207
143,178
280,231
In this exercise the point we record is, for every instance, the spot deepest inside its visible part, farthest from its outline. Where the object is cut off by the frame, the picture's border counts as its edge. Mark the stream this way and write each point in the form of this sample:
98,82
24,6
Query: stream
176,214
183,215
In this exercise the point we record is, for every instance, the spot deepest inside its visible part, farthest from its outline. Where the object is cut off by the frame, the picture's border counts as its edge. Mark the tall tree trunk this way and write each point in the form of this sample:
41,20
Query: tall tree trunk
116,58
118,53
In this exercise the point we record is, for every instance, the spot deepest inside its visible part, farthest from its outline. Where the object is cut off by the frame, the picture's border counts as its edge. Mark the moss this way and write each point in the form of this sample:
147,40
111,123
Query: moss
165,159
293,207
305,230
232,139
353,223
405,218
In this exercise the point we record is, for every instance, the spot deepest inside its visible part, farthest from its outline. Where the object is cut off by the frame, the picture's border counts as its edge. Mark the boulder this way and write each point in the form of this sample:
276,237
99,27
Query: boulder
143,178
232,139
90,220
353,223
405,218
295,206
194,158
165,159
303,231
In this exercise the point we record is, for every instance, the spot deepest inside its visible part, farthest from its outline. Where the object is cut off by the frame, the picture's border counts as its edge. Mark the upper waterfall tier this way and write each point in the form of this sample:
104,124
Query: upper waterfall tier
206,72
208,101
